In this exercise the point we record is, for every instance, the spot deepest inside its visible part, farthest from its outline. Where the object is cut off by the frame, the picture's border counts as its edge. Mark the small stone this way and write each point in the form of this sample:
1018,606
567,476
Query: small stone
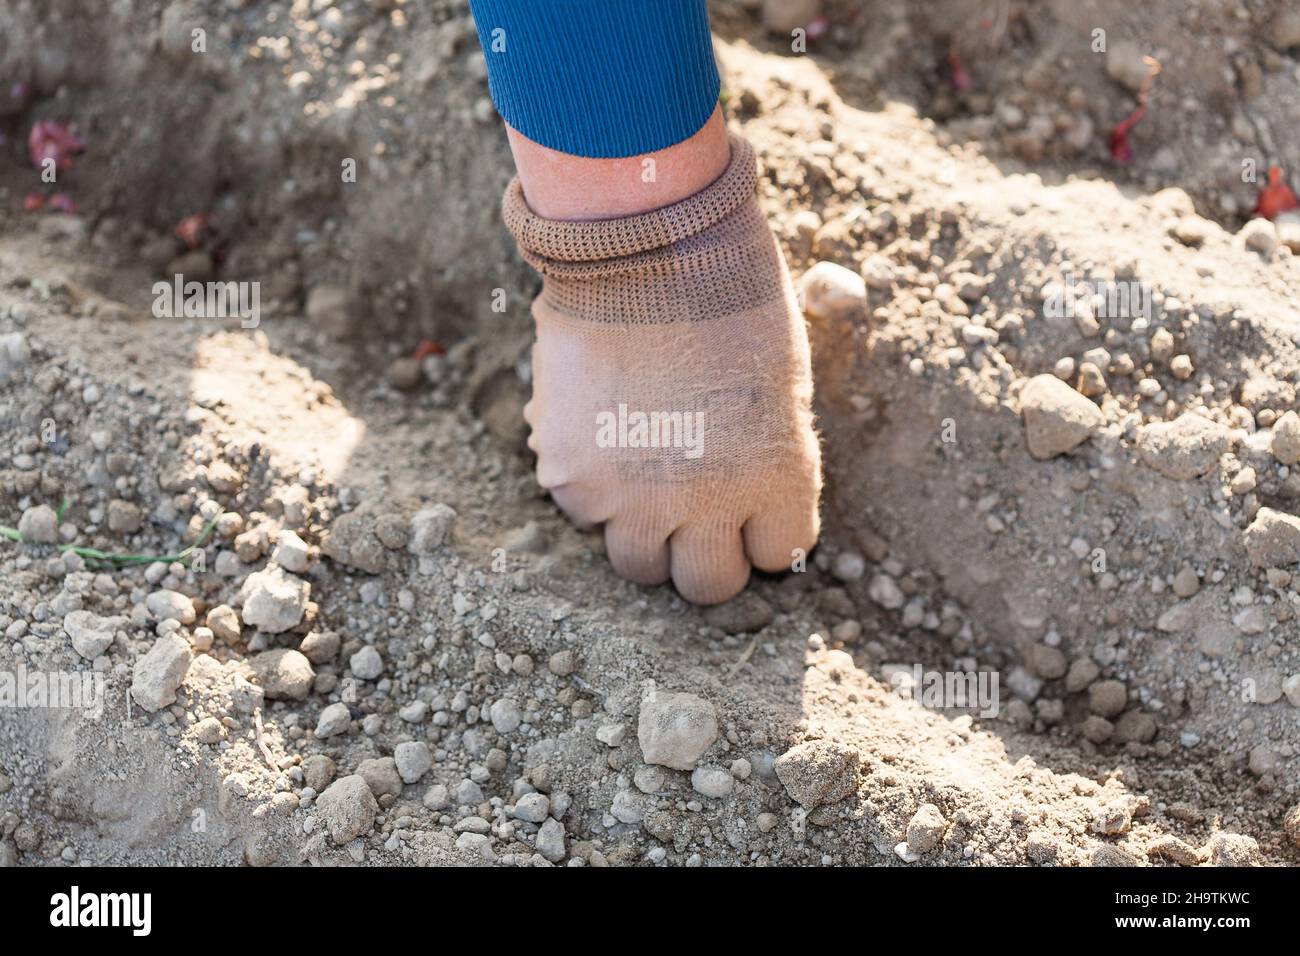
318,772
380,774
1186,448
224,623
321,647
926,828
532,808
1047,662
429,528
1259,235
1097,729
818,772
39,525
743,614
1233,849
505,716
366,664
159,673
334,720
290,552
413,760
404,372
562,663
1107,698
209,730
124,517
284,674
713,782
1272,539
550,840
832,292
1186,582
1136,727
886,592
675,730
1181,366
1286,439
170,604
1057,418
274,600
91,635
347,808
1126,64
849,566
1092,381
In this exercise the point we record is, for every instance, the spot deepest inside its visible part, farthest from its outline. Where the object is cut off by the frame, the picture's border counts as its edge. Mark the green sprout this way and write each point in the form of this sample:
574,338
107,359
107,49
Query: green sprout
98,559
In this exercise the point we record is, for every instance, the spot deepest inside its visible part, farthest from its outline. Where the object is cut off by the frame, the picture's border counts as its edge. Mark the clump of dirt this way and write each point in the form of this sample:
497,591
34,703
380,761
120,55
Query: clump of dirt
1053,616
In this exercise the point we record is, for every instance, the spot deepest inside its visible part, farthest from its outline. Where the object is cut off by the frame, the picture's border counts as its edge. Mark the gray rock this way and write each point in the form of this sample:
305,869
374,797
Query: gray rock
274,600
429,528
675,730
224,623
1057,418
334,720
160,672
818,772
347,808
366,663
170,604
284,674
413,760
712,782
926,828
505,716
550,840
39,525
380,773
532,808
1186,448
1272,539
291,552
91,635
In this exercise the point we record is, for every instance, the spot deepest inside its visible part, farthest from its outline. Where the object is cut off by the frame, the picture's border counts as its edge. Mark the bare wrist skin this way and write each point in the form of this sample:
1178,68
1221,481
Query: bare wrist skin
577,188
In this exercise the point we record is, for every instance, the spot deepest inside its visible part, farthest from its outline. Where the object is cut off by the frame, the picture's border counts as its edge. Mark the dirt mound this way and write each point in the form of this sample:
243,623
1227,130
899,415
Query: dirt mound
359,634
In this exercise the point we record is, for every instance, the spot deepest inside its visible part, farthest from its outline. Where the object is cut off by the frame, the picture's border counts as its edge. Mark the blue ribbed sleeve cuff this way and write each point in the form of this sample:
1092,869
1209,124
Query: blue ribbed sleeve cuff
600,78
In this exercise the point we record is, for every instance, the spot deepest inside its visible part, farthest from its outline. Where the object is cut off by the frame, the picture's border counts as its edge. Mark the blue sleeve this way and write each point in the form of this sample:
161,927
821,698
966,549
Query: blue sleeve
600,78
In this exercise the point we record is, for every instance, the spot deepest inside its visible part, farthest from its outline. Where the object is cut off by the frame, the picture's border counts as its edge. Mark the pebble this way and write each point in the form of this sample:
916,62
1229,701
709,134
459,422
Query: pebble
831,292
1056,417
712,782
290,552
429,528
818,772
1107,698
366,664
347,808
380,774
91,635
505,716
1186,582
334,720
1186,448
532,808
1285,444
39,525
224,623
284,674
321,647
550,840
413,759
926,828
675,730
157,675
274,600
170,604
849,566
886,592
1272,539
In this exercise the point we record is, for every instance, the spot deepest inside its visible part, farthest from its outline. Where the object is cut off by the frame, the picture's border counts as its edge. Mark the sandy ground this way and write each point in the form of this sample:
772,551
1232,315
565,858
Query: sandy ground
1057,399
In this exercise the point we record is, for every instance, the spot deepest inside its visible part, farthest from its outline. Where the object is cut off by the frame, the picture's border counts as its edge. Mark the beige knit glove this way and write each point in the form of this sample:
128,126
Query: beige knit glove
672,386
